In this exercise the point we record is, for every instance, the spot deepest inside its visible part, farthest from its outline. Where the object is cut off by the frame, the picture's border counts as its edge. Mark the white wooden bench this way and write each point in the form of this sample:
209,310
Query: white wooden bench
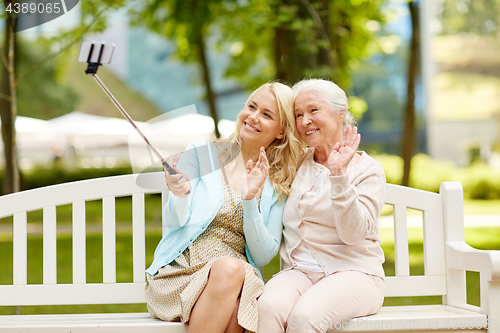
446,258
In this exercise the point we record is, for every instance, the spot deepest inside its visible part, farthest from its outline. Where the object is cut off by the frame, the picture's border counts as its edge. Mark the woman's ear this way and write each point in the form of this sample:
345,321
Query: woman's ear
281,135
341,117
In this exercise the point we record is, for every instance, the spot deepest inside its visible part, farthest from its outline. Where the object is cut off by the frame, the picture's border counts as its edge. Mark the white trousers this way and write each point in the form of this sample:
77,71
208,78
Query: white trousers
297,301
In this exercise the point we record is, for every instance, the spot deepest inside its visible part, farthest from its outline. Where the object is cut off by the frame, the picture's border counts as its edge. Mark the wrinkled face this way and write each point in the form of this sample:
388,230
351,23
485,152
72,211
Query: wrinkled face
317,123
260,120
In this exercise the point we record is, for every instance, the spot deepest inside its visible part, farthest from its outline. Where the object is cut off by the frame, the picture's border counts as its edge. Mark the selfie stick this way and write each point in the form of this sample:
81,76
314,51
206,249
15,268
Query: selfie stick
92,69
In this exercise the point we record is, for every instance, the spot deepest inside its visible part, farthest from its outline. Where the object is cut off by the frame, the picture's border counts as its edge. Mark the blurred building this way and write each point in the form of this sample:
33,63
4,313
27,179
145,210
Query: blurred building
463,85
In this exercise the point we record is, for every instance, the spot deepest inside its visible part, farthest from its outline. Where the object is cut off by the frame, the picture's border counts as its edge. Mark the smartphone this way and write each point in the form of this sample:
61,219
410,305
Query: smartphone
95,52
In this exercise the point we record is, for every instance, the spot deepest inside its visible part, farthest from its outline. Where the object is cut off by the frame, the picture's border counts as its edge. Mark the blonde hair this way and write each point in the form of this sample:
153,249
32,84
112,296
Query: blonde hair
283,154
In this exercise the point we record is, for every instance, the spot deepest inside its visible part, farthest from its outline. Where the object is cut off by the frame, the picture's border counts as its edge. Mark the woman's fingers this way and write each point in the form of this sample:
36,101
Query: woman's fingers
350,138
357,140
175,180
249,166
177,183
174,159
348,135
354,134
344,136
265,162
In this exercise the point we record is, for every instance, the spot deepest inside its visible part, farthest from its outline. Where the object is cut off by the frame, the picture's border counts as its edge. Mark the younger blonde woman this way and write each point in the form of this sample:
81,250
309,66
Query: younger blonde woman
205,271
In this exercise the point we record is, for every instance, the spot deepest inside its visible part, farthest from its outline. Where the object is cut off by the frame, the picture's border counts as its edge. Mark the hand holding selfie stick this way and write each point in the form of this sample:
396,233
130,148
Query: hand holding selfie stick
93,64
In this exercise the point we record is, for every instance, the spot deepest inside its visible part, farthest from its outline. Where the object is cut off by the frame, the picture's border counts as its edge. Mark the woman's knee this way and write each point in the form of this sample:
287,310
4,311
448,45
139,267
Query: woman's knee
227,272
275,307
303,314
267,302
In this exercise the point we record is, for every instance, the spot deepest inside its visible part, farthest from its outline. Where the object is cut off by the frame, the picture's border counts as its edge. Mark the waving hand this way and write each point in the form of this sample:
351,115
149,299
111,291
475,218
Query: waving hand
254,176
344,151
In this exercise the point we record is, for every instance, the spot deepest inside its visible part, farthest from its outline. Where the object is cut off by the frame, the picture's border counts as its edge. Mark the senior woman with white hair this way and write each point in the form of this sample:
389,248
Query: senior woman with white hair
330,253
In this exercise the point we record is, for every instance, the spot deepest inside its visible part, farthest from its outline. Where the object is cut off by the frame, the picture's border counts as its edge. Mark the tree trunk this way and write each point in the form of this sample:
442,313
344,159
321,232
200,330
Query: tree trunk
8,112
325,54
408,144
208,85
291,58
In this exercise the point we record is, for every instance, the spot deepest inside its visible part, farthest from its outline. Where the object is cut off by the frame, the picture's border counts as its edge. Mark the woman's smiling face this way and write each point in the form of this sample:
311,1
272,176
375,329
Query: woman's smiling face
316,122
260,120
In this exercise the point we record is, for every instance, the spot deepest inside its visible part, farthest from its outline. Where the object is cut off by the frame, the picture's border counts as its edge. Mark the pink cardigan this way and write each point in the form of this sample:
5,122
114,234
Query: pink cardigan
340,226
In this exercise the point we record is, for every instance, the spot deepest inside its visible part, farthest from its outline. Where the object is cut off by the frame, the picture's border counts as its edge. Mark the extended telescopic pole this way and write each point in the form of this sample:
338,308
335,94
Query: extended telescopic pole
92,69
167,166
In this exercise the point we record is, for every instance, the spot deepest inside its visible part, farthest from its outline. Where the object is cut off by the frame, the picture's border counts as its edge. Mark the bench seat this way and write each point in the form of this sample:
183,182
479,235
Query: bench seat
82,323
419,318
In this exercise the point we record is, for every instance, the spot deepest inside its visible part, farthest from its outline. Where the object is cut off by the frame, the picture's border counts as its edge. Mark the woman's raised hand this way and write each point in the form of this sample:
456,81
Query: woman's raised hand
178,184
254,176
343,151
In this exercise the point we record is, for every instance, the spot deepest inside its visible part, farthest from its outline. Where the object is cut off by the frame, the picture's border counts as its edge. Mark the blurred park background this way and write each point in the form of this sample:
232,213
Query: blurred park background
423,80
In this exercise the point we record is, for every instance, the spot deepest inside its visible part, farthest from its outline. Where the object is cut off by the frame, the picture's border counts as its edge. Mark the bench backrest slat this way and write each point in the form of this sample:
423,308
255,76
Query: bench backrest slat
20,250
49,245
434,259
402,259
79,242
164,199
418,285
108,240
413,198
138,237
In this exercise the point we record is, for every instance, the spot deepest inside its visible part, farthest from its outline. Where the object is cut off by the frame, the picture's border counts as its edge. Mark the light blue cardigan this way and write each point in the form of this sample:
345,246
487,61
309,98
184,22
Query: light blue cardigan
186,218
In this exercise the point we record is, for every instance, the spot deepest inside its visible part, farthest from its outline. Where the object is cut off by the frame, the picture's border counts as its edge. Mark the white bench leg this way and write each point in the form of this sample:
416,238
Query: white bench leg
493,300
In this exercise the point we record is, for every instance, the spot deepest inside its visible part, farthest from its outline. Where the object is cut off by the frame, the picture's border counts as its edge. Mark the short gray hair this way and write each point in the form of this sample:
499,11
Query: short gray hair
332,94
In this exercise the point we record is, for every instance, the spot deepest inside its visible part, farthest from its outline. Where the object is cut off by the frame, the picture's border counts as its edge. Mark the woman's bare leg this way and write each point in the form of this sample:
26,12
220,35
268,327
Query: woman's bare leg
233,326
215,306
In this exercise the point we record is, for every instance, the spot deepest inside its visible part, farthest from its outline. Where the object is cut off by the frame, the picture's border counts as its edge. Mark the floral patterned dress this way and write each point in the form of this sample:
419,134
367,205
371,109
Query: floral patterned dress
172,293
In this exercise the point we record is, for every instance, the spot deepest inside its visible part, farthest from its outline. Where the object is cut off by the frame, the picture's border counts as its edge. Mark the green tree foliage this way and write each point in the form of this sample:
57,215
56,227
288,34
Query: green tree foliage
181,20
188,22
284,40
293,39
42,95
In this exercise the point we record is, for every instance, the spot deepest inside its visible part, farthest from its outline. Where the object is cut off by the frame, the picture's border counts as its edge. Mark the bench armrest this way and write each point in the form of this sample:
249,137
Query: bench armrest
464,257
